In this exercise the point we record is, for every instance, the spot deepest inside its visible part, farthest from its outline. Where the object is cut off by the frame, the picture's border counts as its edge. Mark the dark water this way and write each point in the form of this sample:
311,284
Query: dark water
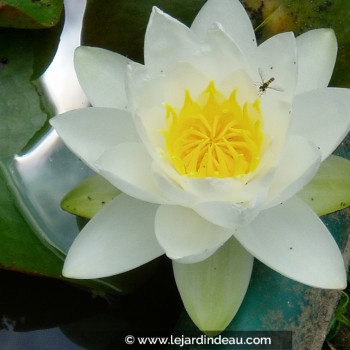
40,313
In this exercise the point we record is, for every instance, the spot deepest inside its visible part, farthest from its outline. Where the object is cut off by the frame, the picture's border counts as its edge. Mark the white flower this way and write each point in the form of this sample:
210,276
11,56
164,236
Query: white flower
204,150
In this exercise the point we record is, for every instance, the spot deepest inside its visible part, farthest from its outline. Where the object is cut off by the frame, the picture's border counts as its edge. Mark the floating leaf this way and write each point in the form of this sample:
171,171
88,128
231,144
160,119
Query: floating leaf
24,55
89,197
34,14
213,290
20,249
329,191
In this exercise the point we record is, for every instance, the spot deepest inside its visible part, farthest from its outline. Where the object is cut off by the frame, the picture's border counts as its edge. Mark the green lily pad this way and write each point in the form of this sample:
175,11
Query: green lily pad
89,197
24,55
20,249
34,14
21,115
329,191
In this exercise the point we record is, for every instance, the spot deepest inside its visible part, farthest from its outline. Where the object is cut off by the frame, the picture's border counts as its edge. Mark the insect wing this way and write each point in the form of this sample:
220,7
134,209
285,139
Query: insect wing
275,87
267,83
262,75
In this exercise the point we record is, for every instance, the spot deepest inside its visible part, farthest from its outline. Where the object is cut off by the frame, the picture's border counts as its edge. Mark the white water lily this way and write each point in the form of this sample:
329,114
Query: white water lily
204,150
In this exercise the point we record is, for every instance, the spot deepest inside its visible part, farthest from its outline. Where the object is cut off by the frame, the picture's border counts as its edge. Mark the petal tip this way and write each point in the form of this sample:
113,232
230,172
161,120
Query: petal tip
342,283
157,11
328,34
83,271
337,280
69,272
82,50
52,121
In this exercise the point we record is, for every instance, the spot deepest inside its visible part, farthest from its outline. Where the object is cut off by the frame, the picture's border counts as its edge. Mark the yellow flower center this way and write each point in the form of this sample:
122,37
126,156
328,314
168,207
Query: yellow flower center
214,136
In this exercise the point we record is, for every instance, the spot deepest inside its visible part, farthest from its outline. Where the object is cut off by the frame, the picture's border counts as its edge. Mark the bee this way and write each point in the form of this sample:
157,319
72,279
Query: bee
265,84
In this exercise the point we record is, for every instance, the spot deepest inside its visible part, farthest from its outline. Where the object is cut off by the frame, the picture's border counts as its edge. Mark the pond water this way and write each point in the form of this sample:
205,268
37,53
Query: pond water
41,313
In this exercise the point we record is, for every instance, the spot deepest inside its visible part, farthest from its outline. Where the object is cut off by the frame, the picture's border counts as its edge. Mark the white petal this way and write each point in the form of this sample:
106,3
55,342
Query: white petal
184,234
299,164
323,117
240,80
224,189
151,92
144,90
212,290
291,239
166,42
102,75
88,132
228,214
277,118
119,238
129,168
276,58
171,189
233,18
317,52
219,47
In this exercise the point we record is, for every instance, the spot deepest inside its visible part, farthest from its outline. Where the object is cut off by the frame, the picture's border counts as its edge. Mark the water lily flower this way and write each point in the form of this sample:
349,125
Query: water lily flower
209,141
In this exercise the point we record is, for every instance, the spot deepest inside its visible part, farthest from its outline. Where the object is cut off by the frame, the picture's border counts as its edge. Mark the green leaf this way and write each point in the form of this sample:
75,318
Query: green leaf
24,55
213,290
33,14
329,190
20,249
89,197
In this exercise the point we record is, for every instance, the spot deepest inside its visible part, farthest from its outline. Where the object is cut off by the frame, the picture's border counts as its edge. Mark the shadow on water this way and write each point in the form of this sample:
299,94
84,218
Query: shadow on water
40,313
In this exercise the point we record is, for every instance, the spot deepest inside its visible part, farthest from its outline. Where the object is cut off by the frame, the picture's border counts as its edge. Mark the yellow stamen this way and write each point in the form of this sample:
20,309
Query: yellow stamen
214,136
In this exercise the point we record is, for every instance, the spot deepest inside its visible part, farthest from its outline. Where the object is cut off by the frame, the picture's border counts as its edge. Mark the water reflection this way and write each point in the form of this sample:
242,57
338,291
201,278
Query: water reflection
40,178
60,80
38,313
42,175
